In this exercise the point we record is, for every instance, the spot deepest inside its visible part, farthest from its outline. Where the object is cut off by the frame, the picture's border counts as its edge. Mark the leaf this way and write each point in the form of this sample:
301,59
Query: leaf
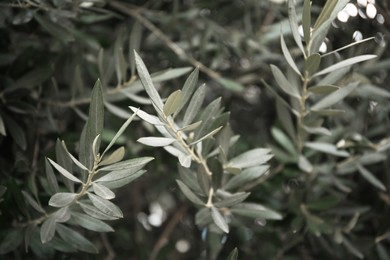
117,183
156,141
334,97
253,210
247,176
48,230
120,63
61,215
77,162
62,199
312,63
105,206
191,127
293,21
323,89
154,120
329,112
345,63
287,55
134,43
219,220
304,164
185,160
147,82
173,103
251,158
33,202
195,105
231,85
317,130
188,89
207,135
95,212
325,203
75,239
352,249
11,240
116,156
285,118
51,178
2,127
55,29
284,141
306,20
233,255
189,194
366,174
283,83
16,131
326,148
103,191
64,172
130,164
91,223
207,117
115,110
232,200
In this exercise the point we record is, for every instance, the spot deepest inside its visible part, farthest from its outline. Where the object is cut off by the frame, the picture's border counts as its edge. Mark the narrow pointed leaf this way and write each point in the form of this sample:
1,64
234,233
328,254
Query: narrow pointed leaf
154,120
94,212
33,202
130,164
345,63
247,176
117,183
287,55
207,135
326,148
233,255
334,97
306,20
91,223
371,178
324,89
173,103
116,156
48,230
64,172
191,127
61,215
232,200
75,239
253,210
188,88
103,191
219,220
185,160
189,194
283,83
62,199
312,63
251,158
317,130
304,164
293,21
156,141
284,141
195,105
77,162
105,206
51,178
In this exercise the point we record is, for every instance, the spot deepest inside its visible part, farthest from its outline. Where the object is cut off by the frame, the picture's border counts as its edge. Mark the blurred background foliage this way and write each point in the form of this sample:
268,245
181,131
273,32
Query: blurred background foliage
52,52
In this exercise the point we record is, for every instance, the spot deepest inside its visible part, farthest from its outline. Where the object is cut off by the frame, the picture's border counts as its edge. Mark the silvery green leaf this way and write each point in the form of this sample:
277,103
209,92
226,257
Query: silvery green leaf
116,156
174,151
317,130
115,110
134,43
284,141
312,63
304,164
195,105
120,64
103,191
95,212
62,199
334,97
156,141
33,202
251,158
370,158
253,210
64,160
12,240
168,74
91,223
207,116
293,21
105,206
345,63
207,135
61,215
185,160
323,89
371,178
51,178
203,217
191,127
333,77
328,112
64,172
326,148
95,147
147,83
219,220
247,176
190,179
173,102
306,20
130,164
231,85
75,239
285,118
117,183
233,255
189,194
232,200
188,88
77,162
347,46
154,120
136,98
48,230
352,249
204,180
283,83
287,55
2,127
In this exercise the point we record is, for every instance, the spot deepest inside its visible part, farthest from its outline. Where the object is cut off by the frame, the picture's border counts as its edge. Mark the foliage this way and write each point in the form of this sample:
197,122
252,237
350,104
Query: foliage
322,116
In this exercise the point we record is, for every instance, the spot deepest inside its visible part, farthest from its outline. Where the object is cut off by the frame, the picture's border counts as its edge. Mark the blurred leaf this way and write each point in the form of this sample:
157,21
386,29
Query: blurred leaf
345,63
189,178
75,239
55,29
114,157
304,164
312,63
194,106
334,97
131,164
156,141
324,89
371,178
173,103
95,212
62,199
189,194
247,176
326,148
231,85
285,119
32,78
190,127
115,110
352,249
103,191
63,159
324,203
2,127
293,21
284,141
117,183
33,202
232,200
64,172
48,230
219,220
134,44
317,130
328,112
91,223
306,20
168,74
16,131
287,55
251,158
11,240
283,83
120,64
370,158
105,206
233,255
253,210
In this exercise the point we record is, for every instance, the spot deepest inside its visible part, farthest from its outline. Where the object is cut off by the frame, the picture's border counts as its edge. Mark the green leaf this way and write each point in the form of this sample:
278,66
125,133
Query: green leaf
287,55
345,63
207,117
207,135
117,183
325,203
134,43
2,127
91,223
306,20
293,21
95,212
329,112
285,118
219,220
203,217
64,172
324,89
283,83
190,179
185,160
11,240
284,141
61,215
333,98
352,249
373,157
169,74
195,105
77,162
304,164
253,210
115,110
190,127
120,64
147,82
326,148
105,206
62,199
251,158
188,89
33,78
136,163
48,230
154,120
33,202
16,131
103,191
173,103
51,178
231,85
247,176
156,141
317,130
232,200
75,239
65,162
366,174
233,255
189,194
312,63
116,156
